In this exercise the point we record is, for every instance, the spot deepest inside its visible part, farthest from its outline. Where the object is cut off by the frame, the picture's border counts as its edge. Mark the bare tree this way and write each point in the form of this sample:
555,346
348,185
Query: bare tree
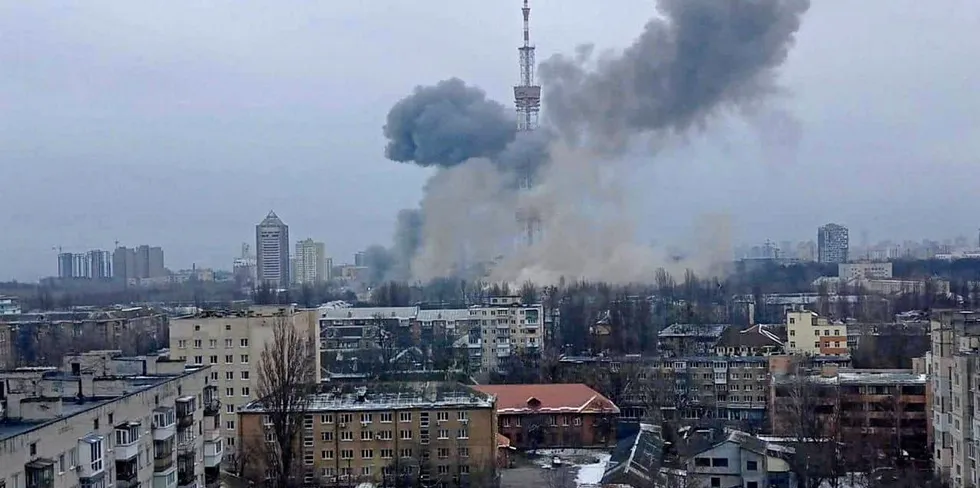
809,410
287,380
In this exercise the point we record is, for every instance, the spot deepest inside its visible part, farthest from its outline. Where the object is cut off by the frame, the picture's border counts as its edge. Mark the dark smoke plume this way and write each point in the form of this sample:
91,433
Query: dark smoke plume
446,124
700,57
407,241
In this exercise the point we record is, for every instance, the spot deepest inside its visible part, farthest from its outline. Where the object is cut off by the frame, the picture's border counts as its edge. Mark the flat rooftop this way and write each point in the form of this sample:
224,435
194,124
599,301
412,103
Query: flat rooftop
72,406
393,396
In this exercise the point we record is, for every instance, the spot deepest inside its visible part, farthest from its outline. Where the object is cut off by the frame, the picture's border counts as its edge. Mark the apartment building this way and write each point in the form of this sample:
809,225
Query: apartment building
864,270
231,343
810,334
388,433
108,420
952,366
43,338
554,415
486,335
689,339
888,405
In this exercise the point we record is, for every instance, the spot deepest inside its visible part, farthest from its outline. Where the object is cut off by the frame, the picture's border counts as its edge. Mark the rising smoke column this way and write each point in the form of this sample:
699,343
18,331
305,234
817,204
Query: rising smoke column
446,124
696,60
701,57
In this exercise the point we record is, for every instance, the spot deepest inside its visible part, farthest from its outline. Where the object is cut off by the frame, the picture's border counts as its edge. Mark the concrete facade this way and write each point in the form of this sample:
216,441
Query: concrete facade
231,344
812,335
108,420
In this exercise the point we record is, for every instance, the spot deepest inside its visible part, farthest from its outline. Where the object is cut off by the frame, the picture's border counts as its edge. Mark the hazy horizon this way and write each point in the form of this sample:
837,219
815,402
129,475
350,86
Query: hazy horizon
182,125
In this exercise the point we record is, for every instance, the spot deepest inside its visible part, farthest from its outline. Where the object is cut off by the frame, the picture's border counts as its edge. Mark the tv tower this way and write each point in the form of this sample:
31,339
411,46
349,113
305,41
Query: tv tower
527,98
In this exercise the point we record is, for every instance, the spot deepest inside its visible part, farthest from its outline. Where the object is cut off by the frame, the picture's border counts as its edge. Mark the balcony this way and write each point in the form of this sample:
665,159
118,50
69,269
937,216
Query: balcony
212,407
186,445
213,452
163,464
127,441
186,478
127,475
166,478
164,423
40,473
186,406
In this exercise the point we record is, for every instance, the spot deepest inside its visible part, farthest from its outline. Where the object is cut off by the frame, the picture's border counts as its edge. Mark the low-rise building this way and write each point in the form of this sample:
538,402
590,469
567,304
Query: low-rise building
386,433
9,305
231,343
757,340
714,458
689,339
864,270
108,420
885,404
554,415
44,338
810,334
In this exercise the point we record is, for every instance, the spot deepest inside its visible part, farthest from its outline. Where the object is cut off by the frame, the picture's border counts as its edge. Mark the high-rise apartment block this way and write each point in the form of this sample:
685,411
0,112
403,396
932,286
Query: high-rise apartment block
231,343
272,251
138,263
953,366
106,420
388,434
93,264
832,244
311,262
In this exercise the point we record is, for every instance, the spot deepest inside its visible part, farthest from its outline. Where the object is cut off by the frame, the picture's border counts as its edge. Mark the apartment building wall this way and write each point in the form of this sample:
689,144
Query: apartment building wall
231,343
127,436
374,438
810,334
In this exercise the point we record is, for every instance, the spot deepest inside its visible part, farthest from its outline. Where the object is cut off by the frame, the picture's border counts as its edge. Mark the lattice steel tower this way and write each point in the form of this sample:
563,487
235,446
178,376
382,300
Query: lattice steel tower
527,98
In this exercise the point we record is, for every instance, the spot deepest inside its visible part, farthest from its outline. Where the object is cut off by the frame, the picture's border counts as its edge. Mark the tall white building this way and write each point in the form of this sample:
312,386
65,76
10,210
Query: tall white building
272,251
311,262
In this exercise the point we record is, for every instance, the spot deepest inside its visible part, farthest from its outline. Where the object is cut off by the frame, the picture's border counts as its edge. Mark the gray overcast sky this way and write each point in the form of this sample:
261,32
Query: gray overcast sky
182,123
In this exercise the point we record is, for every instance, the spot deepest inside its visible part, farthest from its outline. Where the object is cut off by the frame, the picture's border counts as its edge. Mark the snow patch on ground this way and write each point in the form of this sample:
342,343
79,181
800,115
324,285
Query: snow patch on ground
591,474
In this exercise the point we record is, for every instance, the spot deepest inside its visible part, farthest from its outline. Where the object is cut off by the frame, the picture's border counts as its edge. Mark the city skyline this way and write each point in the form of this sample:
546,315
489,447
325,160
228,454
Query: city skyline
874,118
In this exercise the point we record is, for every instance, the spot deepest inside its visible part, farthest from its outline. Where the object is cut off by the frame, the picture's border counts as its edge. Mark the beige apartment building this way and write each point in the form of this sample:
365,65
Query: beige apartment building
812,335
387,434
231,343
107,420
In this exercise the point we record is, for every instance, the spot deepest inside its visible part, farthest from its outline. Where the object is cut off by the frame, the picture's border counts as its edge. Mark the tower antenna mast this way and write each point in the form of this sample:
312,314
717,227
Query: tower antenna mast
527,98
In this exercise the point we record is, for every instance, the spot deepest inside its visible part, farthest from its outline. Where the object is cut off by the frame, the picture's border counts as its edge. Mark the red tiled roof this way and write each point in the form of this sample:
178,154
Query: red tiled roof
550,398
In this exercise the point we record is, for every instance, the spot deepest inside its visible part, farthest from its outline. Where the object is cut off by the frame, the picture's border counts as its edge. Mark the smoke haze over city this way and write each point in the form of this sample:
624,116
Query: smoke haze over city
183,124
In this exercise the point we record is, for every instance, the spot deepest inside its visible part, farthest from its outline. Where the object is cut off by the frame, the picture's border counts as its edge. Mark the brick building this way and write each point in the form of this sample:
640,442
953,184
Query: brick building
389,433
554,415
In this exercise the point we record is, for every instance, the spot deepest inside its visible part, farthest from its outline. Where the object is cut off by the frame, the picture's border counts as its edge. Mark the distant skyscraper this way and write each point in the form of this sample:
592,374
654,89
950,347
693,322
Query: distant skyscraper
360,258
66,265
124,264
832,244
99,266
311,262
272,251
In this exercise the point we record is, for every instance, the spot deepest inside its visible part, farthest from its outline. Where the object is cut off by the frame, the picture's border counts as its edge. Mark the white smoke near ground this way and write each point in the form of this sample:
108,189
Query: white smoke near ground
698,60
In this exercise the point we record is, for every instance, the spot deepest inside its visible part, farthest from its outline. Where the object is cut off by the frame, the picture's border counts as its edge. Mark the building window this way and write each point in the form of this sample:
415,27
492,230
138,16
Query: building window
365,470
442,416
212,343
407,453
463,434
229,344
792,333
230,407
443,433
385,435
308,459
715,482
230,424
346,454
326,418
366,418
347,435
227,326
367,453
326,436
244,358
212,359
229,392
326,454
752,465
198,359
463,452
462,416
443,469
443,452
182,344
719,462
245,391
366,435
405,435
229,359
405,416
229,375
387,453
197,342
386,418
244,342
245,375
